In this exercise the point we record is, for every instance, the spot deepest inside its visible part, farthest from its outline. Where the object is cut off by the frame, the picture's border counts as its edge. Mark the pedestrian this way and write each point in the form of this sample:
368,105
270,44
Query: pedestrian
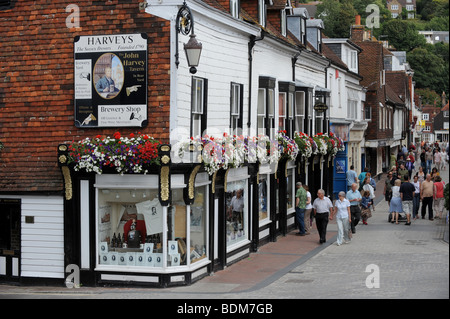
300,207
437,159
443,160
323,207
372,181
416,199
366,202
362,175
438,196
407,195
394,174
402,172
429,159
409,166
420,174
343,218
387,192
423,161
351,177
354,197
393,161
368,187
434,173
426,196
401,161
396,202
308,211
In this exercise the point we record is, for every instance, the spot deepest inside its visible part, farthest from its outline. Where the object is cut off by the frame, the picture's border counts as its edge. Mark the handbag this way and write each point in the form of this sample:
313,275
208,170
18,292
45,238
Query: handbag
366,213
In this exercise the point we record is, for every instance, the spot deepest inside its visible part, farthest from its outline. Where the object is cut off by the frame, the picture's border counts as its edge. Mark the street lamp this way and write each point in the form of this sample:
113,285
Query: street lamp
193,49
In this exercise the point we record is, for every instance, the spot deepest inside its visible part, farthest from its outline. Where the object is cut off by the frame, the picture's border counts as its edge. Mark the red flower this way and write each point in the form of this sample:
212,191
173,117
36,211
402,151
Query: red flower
117,135
132,135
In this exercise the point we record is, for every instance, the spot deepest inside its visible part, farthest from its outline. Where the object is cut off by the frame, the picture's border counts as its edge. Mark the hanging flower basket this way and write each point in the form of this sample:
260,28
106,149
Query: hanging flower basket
322,143
306,145
133,154
228,151
288,148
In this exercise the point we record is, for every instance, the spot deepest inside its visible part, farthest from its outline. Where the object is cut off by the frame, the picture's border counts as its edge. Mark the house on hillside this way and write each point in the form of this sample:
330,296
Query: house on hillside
396,7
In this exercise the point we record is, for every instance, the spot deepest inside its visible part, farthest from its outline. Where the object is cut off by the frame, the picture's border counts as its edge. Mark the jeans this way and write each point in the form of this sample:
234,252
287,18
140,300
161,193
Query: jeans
300,217
429,166
416,204
355,212
427,201
343,225
322,223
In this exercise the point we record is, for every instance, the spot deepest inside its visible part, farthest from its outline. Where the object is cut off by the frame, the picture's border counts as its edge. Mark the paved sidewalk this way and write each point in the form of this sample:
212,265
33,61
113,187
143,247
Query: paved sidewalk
250,275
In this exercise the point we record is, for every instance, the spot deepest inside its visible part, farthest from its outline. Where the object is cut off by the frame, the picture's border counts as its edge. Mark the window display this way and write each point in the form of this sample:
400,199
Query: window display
130,227
131,230
198,221
263,198
176,231
236,212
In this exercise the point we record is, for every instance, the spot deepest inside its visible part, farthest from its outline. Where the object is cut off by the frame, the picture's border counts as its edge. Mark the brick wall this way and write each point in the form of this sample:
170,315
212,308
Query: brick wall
36,83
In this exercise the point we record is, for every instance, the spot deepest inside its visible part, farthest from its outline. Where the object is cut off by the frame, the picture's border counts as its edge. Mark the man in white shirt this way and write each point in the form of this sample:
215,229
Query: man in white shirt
322,208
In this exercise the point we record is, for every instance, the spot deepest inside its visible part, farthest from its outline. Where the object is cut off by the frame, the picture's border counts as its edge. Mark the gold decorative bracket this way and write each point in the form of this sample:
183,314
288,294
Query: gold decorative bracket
164,175
63,157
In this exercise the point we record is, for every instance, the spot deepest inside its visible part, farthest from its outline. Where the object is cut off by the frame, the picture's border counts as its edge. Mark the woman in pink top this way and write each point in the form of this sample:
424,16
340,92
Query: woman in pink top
438,196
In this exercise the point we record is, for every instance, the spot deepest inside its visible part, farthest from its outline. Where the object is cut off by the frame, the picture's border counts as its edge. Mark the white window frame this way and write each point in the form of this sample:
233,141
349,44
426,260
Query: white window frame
282,110
198,105
235,107
300,111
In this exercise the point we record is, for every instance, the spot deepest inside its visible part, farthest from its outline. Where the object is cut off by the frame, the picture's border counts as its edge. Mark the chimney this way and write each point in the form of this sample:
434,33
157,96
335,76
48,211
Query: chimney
357,30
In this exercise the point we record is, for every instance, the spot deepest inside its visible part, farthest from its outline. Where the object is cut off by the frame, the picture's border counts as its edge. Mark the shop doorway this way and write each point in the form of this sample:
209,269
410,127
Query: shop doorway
10,212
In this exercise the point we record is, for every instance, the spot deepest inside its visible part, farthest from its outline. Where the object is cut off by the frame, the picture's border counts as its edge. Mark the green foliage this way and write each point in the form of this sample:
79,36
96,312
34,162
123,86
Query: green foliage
337,16
430,70
402,35
429,97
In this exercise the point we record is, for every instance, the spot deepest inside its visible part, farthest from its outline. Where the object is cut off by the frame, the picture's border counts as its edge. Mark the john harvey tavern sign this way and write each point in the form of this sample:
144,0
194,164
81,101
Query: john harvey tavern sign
110,80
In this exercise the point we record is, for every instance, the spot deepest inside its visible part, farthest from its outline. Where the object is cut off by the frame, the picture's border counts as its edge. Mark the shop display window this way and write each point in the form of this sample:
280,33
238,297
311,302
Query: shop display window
236,212
198,222
133,229
263,198
177,230
130,227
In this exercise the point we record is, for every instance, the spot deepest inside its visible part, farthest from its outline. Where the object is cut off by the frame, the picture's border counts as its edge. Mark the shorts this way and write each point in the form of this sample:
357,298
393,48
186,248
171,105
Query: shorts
407,206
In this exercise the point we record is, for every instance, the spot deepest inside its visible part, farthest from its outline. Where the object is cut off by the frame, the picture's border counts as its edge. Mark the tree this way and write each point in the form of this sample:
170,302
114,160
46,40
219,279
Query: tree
402,35
337,17
430,70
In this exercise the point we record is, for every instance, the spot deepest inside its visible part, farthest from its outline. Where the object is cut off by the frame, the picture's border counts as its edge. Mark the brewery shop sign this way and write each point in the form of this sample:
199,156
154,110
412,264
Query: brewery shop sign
111,80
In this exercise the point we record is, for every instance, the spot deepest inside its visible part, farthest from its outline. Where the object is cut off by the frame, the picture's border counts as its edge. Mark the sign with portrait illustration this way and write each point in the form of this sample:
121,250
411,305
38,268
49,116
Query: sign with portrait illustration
110,75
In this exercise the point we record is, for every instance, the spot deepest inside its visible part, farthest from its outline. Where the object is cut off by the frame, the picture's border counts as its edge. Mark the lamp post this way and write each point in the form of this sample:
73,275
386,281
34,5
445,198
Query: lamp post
185,24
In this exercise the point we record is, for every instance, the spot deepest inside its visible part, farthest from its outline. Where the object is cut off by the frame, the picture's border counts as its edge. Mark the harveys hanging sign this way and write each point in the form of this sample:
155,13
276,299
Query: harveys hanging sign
111,80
